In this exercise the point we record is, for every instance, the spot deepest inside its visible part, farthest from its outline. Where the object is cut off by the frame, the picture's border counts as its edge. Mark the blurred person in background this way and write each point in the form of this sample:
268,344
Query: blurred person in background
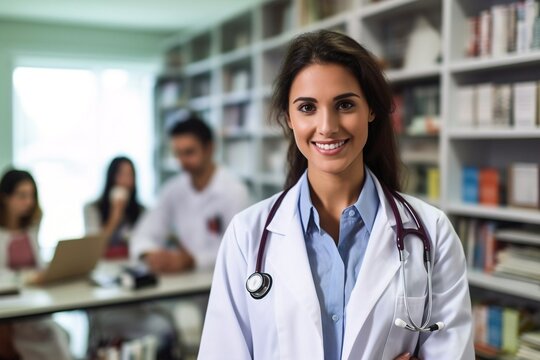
117,210
194,207
20,215
113,216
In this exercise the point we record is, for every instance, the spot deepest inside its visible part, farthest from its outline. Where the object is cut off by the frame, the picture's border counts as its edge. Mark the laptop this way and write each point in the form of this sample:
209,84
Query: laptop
72,259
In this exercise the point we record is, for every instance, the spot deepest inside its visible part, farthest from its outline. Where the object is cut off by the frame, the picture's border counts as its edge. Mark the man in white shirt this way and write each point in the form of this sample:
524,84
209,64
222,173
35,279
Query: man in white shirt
194,207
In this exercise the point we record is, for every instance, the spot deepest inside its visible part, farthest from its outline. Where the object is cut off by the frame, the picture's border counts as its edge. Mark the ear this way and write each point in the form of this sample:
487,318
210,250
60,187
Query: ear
288,118
371,116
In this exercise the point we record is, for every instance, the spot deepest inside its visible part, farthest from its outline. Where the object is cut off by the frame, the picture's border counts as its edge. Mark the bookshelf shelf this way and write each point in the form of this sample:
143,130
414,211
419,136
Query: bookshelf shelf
500,284
201,103
508,133
420,157
331,22
404,75
200,67
236,97
518,237
509,61
392,8
236,55
497,213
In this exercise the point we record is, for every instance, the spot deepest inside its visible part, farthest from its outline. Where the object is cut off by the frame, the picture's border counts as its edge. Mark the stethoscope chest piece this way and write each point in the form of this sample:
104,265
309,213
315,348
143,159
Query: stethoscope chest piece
258,284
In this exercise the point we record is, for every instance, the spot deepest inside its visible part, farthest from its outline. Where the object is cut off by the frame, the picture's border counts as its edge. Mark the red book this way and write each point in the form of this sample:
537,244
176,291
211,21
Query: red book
489,187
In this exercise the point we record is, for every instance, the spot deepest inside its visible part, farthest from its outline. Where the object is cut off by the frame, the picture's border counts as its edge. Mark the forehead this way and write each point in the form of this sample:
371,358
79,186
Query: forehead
24,186
185,140
324,80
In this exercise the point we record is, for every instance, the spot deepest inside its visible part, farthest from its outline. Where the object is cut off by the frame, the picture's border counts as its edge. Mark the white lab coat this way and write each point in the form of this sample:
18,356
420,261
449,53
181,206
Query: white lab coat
286,324
186,213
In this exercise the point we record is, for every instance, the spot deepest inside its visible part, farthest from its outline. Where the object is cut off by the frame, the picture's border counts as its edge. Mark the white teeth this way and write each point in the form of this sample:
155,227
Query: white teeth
330,146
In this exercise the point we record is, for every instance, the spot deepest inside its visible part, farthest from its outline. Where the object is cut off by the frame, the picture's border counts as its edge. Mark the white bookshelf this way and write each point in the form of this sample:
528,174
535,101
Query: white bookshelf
404,75
507,133
518,237
522,289
493,212
451,149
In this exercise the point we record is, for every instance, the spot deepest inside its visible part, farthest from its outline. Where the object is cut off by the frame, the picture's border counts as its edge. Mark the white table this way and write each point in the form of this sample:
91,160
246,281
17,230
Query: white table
81,294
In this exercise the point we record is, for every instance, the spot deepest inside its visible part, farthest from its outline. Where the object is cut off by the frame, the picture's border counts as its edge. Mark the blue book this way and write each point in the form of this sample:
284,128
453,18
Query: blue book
495,315
470,184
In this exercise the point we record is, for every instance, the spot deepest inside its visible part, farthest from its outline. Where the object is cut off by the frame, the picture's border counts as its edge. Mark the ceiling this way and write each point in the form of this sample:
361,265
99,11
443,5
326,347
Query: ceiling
167,16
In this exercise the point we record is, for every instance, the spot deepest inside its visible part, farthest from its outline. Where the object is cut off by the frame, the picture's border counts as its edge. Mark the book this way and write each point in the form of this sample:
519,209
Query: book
484,103
495,326
466,109
511,25
485,33
525,104
502,105
489,186
523,185
510,331
472,48
433,183
480,316
470,178
490,246
521,28
471,241
499,32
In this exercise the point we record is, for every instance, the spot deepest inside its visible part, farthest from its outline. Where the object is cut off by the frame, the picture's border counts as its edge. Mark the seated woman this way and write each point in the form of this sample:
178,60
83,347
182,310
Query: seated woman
115,213
20,215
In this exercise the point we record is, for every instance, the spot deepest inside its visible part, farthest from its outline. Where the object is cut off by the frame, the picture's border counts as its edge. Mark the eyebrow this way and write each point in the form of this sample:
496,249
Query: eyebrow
339,97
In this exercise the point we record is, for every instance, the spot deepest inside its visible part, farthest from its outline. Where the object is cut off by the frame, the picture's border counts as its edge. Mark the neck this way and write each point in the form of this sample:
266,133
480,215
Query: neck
201,180
331,193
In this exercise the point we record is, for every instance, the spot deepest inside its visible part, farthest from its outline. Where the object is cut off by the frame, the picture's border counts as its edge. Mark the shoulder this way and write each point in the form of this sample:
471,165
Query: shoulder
231,180
436,222
176,183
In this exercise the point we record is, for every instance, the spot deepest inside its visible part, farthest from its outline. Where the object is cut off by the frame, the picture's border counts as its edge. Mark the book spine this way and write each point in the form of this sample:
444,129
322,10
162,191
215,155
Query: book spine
495,326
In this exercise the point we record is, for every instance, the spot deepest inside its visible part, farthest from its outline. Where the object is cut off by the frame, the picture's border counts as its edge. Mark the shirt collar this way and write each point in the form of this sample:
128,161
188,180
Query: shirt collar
367,203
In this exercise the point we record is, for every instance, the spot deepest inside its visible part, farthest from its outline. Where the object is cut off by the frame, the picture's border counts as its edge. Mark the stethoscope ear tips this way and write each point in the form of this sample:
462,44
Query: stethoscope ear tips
258,284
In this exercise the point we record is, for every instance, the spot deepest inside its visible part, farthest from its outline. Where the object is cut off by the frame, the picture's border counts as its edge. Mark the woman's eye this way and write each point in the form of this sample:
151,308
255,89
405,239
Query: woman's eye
345,105
307,108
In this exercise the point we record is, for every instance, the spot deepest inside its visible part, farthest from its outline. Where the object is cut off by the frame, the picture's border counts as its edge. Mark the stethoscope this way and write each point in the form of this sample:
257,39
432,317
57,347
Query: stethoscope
259,283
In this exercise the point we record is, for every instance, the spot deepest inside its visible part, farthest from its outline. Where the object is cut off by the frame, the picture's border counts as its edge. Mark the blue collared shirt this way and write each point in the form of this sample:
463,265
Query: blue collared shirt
335,268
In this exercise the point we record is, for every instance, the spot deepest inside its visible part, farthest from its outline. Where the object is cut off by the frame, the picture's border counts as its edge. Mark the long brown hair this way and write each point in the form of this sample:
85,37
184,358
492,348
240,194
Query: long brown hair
8,185
328,47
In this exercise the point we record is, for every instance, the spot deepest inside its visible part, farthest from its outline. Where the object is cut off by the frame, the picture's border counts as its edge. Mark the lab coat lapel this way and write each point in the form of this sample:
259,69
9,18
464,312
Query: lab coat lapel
288,256
381,264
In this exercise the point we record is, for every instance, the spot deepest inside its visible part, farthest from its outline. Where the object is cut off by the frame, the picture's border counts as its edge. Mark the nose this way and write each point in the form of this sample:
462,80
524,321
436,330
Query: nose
328,122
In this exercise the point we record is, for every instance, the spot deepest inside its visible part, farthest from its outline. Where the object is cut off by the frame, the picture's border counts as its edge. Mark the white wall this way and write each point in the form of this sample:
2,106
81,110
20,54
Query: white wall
51,40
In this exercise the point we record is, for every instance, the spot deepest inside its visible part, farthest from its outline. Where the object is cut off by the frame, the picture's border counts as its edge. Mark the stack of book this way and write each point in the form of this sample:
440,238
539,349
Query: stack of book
417,110
529,348
497,329
519,262
498,105
479,242
502,29
482,186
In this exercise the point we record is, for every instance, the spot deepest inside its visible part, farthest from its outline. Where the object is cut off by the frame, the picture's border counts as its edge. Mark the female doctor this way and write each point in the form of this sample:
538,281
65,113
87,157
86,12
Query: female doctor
330,281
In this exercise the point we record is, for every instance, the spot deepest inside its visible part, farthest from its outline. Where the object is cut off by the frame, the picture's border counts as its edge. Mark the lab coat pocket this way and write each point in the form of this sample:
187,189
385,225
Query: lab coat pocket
401,340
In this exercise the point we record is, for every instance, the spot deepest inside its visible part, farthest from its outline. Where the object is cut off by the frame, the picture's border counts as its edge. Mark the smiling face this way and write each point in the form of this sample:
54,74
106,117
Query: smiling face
329,117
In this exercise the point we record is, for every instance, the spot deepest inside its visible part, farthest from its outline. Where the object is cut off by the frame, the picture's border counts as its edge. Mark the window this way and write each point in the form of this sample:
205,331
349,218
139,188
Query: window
68,125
